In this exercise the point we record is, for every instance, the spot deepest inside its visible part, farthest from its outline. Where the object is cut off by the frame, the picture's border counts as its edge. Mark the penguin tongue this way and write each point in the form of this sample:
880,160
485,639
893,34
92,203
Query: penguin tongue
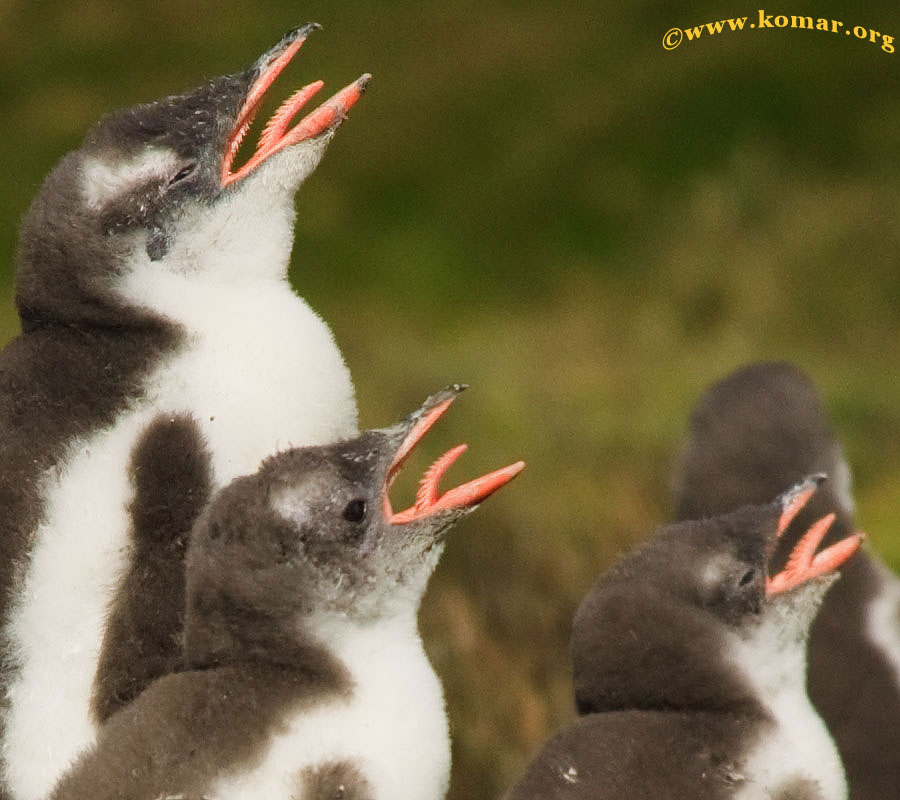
276,135
429,499
804,563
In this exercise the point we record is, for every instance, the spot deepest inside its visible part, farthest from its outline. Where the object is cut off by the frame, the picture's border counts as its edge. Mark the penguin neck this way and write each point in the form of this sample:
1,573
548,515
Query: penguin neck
228,255
771,652
225,632
377,652
354,639
82,305
793,746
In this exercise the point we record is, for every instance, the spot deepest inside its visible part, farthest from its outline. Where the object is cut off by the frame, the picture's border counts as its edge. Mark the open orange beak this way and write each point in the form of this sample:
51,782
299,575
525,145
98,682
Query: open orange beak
277,134
429,499
804,563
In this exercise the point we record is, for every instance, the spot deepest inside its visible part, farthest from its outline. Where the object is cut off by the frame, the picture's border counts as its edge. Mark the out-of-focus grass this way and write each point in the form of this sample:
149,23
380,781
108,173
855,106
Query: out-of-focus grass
586,228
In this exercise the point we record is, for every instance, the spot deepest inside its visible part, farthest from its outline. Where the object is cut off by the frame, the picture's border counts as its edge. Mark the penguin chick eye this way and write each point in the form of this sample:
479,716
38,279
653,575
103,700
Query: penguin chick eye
186,171
355,510
747,577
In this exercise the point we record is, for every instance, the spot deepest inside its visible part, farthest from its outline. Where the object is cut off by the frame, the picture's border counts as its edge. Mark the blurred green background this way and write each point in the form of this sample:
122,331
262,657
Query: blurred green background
540,200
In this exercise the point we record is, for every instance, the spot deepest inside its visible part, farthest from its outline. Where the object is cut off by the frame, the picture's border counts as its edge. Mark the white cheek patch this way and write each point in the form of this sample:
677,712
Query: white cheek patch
292,504
715,571
103,182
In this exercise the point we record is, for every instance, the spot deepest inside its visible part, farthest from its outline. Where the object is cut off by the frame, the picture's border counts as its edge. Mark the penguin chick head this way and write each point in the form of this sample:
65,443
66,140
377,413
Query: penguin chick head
654,632
156,189
755,431
313,533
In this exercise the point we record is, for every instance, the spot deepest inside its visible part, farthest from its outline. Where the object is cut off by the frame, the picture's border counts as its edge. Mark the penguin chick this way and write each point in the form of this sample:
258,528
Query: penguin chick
157,325
689,669
304,675
765,426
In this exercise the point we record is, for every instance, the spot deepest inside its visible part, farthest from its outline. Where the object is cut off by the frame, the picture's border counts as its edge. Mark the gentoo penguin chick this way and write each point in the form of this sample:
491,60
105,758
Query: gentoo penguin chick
304,673
762,427
689,669
162,354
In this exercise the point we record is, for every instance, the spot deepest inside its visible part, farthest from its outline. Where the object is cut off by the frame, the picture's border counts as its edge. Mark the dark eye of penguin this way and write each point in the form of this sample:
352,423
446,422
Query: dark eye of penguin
355,511
184,172
747,577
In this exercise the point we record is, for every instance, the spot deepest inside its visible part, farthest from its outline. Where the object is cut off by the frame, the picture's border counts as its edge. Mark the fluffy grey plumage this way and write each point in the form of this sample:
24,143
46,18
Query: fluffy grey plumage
162,353
682,658
763,427
303,673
